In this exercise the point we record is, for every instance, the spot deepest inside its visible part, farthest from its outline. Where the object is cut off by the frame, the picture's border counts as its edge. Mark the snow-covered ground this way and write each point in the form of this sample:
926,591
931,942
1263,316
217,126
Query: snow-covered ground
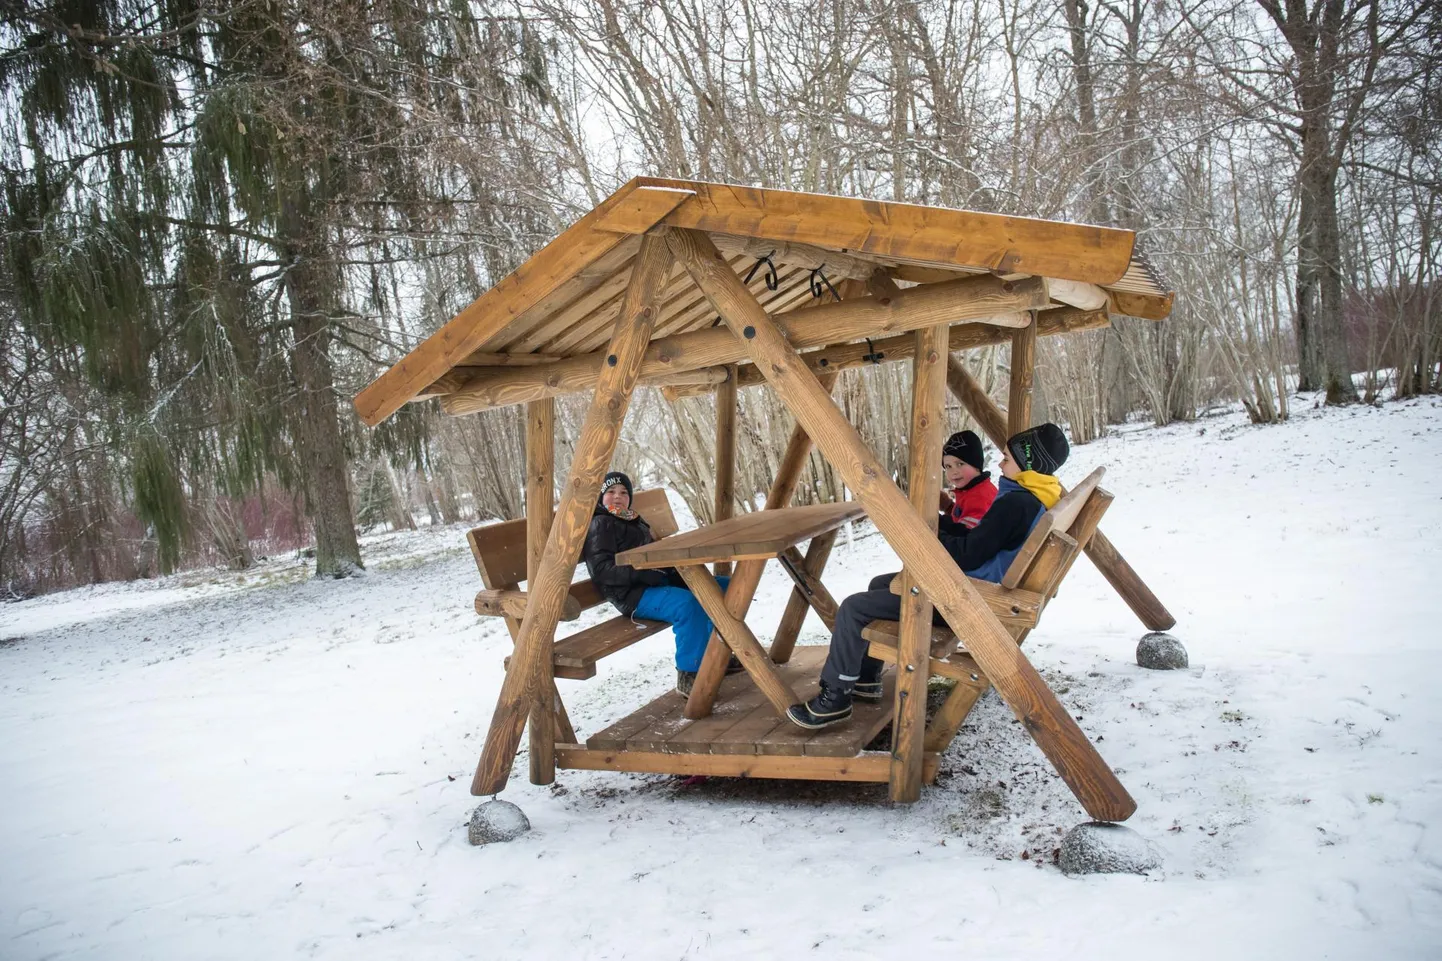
265,766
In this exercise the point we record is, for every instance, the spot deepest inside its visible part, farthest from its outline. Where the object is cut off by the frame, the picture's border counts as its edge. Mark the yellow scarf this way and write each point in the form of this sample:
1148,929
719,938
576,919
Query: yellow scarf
1046,487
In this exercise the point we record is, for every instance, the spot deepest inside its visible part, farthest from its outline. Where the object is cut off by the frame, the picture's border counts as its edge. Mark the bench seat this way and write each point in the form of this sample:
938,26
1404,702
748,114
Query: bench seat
499,550
575,656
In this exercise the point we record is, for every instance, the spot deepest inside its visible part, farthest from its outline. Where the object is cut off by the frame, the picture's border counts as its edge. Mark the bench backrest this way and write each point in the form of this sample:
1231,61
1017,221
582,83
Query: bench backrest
1059,520
500,549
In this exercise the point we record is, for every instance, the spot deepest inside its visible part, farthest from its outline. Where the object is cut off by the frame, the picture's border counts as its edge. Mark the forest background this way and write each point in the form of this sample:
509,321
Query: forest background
222,219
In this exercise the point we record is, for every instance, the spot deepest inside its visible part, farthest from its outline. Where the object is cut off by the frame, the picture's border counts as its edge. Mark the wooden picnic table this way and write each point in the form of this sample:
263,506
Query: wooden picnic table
759,535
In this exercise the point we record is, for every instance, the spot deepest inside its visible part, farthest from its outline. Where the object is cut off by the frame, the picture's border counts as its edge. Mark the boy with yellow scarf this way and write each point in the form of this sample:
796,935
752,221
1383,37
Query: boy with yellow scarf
1027,490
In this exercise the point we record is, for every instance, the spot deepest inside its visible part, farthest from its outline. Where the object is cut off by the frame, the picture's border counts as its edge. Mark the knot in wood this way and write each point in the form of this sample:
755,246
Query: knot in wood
885,301
932,356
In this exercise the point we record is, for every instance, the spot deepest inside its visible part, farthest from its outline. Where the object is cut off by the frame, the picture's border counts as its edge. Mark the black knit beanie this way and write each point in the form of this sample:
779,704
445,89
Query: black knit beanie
1042,448
965,446
612,479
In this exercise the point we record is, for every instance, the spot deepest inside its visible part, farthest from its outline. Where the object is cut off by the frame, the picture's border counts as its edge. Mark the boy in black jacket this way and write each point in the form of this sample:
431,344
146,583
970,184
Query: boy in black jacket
658,595
1028,489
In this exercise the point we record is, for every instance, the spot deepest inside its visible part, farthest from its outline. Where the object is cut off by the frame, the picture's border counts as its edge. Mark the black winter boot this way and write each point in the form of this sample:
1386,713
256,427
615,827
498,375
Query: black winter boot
868,686
830,706
685,680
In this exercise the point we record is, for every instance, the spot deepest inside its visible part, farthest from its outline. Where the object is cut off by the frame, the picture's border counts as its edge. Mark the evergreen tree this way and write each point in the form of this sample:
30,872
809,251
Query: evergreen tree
207,205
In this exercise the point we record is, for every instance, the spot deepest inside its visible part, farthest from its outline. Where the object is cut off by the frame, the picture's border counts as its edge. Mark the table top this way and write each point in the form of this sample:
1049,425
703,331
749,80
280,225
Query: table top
753,535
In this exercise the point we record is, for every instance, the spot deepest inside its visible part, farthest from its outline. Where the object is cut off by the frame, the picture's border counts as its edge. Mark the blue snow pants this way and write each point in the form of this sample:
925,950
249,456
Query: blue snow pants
679,607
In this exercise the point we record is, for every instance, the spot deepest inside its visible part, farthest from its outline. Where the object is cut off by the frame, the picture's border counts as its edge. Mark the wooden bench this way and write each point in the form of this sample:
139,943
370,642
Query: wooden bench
500,553
1031,580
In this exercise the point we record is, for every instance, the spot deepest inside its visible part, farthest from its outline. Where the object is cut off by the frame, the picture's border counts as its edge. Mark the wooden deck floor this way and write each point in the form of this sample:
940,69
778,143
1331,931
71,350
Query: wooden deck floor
744,722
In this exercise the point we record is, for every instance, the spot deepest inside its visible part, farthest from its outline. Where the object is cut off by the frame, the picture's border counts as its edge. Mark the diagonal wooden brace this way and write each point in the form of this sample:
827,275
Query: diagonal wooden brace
738,637
1019,684
1108,560
789,627
808,585
597,442
747,577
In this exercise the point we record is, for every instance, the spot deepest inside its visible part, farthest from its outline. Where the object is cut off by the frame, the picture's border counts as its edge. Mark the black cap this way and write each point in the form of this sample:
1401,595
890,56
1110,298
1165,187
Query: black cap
965,446
612,479
1042,448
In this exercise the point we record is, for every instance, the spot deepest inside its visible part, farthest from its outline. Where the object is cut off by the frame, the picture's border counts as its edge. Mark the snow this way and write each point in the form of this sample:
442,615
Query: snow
228,766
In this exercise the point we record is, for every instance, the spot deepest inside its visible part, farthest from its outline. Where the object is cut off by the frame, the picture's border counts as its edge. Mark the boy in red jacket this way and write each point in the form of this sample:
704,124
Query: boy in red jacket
972,489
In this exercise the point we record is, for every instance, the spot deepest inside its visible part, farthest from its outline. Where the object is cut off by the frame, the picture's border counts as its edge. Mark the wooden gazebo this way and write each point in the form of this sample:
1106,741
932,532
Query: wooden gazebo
700,287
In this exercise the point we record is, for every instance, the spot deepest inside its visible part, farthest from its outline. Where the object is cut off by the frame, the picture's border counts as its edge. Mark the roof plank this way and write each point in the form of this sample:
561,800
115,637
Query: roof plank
592,236
931,235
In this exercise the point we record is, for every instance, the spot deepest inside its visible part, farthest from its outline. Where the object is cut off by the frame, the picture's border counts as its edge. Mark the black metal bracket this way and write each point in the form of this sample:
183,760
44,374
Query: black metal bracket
800,579
872,354
772,280
817,280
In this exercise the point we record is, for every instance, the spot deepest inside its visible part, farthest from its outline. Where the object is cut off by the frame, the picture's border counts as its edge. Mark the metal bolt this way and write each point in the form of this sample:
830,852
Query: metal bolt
611,360
749,332
915,590
975,678
909,669
825,362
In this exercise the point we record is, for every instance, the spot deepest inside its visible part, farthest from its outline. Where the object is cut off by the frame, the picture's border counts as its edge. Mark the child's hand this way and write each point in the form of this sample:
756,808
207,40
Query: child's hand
946,501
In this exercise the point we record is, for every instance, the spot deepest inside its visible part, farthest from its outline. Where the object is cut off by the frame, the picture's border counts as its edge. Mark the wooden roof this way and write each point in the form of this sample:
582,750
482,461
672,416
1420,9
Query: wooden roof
564,300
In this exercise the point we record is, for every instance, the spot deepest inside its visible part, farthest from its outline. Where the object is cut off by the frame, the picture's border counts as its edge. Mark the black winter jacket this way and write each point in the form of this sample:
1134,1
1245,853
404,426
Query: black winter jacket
621,584
1003,528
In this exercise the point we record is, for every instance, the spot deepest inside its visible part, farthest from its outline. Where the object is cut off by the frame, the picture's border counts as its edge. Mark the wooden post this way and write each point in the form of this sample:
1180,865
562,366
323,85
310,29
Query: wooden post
747,576
594,447
1123,579
1023,689
540,509
725,455
1023,367
913,641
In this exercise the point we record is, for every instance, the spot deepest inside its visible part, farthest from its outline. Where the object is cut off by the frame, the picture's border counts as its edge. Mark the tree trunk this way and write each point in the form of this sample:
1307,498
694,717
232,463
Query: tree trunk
321,450
1323,359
